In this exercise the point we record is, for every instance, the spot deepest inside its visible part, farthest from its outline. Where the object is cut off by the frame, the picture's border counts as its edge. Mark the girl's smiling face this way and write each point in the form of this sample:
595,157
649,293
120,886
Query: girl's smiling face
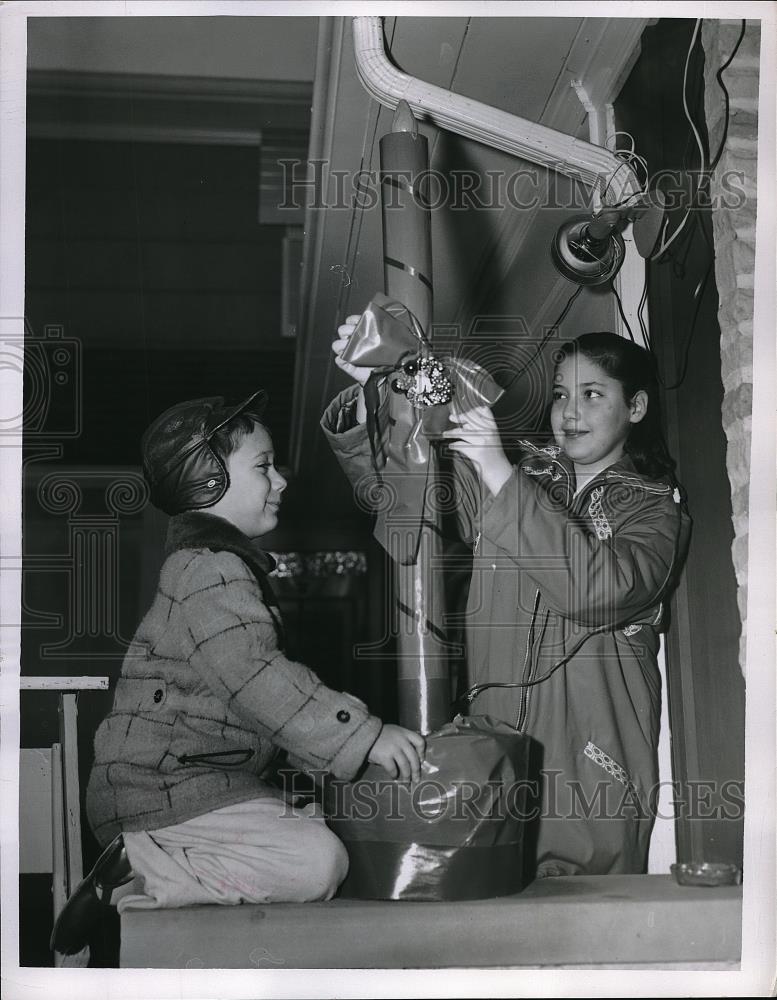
590,416
254,495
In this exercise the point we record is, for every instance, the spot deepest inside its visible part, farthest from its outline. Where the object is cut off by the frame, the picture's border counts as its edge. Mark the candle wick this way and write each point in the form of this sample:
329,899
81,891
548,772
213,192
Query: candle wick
404,119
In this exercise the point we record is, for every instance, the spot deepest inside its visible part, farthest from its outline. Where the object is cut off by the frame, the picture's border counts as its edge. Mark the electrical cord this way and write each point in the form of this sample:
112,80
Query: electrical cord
646,339
630,159
614,135
679,260
665,244
706,176
545,339
698,296
705,173
702,155
719,77
699,218
471,694
614,291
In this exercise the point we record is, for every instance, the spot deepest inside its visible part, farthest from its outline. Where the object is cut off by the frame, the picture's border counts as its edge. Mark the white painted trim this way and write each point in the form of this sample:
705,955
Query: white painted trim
617,49
87,683
630,282
594,124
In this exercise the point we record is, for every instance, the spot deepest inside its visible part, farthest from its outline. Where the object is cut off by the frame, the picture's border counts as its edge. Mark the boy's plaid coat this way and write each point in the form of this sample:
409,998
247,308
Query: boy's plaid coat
206,697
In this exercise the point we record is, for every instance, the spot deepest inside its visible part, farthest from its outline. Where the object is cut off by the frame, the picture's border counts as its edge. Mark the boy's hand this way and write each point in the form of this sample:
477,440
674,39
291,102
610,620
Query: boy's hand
344,333
400,751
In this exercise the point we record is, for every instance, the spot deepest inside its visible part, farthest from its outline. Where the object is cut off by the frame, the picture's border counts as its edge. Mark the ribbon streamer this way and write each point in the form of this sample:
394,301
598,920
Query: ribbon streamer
401,436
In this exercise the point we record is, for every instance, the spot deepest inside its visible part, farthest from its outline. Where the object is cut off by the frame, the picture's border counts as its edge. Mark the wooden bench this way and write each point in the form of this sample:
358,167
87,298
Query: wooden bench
593,921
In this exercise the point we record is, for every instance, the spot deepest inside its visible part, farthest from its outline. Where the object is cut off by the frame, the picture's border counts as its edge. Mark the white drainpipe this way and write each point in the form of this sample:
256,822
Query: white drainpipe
593,165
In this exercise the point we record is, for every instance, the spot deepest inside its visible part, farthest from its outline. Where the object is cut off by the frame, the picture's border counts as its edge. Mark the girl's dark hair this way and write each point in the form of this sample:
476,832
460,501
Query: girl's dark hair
635,369
228,437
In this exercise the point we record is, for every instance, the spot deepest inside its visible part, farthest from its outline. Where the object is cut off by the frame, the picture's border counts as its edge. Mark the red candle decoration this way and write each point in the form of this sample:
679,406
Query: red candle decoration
423,675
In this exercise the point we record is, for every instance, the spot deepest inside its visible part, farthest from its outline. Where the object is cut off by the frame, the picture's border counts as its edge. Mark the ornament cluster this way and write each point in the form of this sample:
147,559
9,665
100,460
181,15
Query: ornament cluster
424,381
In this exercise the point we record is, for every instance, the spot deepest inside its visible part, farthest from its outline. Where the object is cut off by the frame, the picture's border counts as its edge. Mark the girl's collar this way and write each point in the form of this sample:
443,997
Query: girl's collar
624,465
550,459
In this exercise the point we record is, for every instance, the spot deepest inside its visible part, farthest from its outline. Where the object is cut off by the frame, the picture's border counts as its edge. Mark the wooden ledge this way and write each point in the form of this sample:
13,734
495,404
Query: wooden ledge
618,921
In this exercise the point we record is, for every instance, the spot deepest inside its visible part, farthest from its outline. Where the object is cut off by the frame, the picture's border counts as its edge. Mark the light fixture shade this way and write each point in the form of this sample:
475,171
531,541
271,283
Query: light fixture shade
583,259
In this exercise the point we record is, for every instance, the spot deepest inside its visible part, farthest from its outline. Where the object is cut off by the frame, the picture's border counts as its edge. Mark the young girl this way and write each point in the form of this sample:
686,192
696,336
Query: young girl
575,550
207,698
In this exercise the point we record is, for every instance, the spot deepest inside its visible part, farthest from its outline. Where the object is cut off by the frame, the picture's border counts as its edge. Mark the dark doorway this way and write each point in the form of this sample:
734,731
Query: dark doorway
706,688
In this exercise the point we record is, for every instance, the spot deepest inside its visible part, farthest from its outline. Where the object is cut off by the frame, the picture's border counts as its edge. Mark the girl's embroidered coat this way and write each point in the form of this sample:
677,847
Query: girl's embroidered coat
567,593
207,698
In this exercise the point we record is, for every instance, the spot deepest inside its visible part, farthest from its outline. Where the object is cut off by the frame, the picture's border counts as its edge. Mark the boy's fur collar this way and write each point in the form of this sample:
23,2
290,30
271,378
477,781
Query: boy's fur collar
196,529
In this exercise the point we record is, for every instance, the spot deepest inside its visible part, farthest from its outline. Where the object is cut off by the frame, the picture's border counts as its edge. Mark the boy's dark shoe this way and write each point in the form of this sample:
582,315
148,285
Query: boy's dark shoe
84,908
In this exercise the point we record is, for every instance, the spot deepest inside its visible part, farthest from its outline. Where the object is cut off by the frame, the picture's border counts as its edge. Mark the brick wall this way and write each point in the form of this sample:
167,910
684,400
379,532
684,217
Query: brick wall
734,235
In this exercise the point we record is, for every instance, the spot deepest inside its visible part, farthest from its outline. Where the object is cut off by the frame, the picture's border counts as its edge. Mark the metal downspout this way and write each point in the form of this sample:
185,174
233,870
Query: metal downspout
584,161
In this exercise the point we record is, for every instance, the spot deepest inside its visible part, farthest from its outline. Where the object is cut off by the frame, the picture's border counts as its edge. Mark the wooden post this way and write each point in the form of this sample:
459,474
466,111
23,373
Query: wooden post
68,729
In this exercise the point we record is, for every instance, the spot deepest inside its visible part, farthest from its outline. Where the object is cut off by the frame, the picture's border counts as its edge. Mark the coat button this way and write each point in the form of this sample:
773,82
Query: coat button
158,695
343,716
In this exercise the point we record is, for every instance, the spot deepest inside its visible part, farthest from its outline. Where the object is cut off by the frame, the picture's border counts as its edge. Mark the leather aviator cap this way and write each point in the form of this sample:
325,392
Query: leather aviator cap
182,470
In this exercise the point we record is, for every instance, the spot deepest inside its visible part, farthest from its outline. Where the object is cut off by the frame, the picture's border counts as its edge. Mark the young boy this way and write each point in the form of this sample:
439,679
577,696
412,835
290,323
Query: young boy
207,699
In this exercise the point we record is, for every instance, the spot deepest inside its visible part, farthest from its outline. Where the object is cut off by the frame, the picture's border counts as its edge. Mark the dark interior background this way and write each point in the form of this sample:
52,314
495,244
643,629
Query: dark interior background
135,245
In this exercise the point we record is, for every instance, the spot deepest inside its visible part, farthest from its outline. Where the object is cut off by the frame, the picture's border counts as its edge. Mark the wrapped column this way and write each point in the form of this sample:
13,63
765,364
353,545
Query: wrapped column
423,679
457,834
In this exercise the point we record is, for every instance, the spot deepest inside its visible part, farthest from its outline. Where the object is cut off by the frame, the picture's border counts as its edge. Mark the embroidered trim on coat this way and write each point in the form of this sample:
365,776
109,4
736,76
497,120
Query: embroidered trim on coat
601,524
634,481
631,630
598,756
555,476
553,450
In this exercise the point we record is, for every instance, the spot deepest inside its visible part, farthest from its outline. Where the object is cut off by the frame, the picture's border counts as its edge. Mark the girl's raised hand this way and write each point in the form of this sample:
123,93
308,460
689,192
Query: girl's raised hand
344,333
475,435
